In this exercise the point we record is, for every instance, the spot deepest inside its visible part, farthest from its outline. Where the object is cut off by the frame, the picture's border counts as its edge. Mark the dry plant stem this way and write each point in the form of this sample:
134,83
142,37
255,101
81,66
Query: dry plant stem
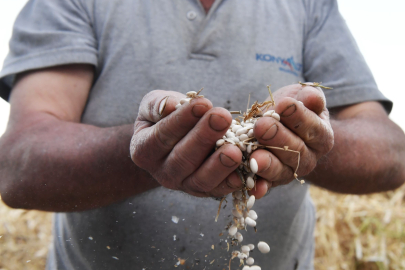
219,208
283,149
315,84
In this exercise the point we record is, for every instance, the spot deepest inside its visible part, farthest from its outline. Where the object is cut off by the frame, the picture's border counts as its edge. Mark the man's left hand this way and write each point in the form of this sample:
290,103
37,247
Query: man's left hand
304,126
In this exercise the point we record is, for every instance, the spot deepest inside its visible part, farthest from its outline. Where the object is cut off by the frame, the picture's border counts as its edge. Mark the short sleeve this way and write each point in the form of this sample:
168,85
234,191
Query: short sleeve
48,33
331,56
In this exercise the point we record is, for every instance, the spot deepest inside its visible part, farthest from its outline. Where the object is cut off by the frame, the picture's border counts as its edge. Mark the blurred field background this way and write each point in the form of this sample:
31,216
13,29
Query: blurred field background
352,232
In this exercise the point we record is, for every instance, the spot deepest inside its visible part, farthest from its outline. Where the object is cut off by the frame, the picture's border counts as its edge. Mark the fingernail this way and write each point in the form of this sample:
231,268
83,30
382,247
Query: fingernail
267,166
199,110
226,161
289,111
218,123
162,105
270,133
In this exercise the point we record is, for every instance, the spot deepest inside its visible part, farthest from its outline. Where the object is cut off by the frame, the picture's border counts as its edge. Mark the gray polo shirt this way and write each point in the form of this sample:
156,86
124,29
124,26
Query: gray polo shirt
237,48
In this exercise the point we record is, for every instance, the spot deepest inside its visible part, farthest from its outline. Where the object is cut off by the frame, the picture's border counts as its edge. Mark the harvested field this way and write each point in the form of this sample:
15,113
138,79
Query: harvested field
371,228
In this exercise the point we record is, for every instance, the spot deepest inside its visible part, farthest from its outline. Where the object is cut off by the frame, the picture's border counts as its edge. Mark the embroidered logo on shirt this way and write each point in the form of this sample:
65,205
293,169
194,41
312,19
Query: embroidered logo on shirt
286,65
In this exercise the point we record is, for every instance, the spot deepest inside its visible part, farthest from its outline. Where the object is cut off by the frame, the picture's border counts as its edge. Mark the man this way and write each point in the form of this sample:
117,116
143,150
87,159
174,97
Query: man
78,71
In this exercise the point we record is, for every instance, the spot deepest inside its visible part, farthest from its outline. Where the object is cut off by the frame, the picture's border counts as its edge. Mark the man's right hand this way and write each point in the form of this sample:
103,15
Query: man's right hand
176,146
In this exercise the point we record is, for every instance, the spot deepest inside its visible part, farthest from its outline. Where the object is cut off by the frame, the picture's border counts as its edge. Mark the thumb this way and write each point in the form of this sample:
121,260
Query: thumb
158,104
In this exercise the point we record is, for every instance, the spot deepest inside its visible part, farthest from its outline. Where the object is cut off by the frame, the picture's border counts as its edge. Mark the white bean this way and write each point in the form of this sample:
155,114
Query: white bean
245,249
232,230
255,267
243,137
250,261
269,113
246,267
239,236
250,222
276,116
236,127
251,202
250,133
241,131
263,247
251,246
242,256
242,146
177,106
229,134
242,221
249,125
250,183
253,165
249,148
220,142
252,214
185,100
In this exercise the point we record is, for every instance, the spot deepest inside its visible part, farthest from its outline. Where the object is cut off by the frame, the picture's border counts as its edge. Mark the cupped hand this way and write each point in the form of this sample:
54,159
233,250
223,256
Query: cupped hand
304,126
176,146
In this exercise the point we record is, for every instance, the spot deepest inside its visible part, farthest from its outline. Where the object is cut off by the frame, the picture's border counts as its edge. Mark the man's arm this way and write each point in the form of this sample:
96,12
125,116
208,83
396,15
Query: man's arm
368,148
368,155
50,161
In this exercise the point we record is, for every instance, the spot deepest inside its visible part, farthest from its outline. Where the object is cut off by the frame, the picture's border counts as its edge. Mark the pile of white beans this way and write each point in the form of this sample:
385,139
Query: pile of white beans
240,133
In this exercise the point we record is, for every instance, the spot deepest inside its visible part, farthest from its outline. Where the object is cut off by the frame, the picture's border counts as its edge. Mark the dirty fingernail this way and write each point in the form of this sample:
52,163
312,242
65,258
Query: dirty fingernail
289,111
199,110
218,123
226,161
270,133
162,105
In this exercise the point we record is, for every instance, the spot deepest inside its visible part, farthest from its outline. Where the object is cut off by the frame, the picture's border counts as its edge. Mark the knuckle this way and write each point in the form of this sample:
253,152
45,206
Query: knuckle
201,184
163,135
183,163
167,180
204,140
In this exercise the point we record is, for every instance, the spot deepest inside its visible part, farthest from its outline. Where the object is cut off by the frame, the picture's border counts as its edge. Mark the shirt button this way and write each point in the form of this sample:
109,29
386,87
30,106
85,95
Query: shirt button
191,15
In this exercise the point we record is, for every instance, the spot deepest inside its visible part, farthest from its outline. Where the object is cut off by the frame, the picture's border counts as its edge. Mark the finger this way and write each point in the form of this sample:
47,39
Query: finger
313,98
212,175
158,104
261,188
270,132
151,143
270,167
194,148
313,130
230,184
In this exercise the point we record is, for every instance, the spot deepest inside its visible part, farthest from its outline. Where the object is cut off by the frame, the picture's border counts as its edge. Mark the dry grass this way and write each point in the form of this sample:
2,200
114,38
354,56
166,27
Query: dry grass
373,226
